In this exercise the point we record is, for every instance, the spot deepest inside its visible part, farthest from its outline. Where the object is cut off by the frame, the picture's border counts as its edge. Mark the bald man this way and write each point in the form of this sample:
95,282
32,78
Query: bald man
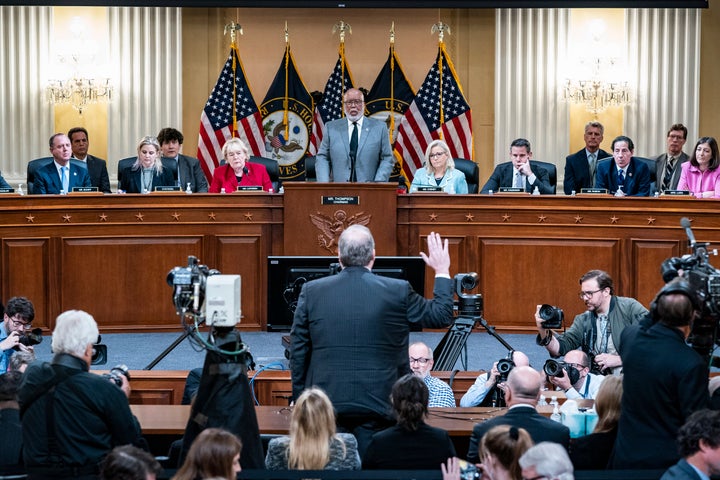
485,392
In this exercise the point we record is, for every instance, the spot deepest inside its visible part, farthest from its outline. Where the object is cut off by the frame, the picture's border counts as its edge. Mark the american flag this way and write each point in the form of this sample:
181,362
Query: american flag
331,106
219,121
432,116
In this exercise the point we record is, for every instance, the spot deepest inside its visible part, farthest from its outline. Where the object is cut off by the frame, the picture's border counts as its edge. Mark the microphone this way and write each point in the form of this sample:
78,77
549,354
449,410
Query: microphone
353,174
245,170
685,223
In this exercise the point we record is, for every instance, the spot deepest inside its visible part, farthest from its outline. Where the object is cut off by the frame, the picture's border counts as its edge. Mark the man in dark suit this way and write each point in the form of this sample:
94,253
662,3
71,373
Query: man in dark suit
350,331
60,176
667,165
623,175
521,395
519,172
364,138
97,167
699,444
187,170
580,167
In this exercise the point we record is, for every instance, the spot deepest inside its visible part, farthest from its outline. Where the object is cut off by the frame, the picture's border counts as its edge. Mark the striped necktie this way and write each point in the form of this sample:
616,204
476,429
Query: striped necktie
669,169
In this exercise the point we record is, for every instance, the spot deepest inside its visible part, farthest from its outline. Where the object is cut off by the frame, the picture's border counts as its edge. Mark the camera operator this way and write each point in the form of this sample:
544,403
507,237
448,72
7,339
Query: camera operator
72,418
597,331
485,391
18,317
577,381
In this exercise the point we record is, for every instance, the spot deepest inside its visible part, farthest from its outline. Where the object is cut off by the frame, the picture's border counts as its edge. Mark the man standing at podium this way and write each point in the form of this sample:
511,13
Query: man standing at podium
350,331
355,148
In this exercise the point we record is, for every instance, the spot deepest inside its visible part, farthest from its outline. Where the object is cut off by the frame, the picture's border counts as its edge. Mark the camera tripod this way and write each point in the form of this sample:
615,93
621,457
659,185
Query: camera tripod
454,342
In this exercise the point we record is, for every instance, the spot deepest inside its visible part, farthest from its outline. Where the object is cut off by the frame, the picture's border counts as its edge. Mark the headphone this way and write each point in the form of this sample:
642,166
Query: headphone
677,285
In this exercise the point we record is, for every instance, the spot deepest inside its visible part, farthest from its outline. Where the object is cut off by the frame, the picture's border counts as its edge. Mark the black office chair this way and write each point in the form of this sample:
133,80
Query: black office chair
552,172
652,165
310,175
471,171
272,168
34,165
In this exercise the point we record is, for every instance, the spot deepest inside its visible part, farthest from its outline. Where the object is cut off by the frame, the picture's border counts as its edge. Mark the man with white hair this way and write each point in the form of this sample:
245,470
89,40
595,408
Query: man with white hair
546,461
72,418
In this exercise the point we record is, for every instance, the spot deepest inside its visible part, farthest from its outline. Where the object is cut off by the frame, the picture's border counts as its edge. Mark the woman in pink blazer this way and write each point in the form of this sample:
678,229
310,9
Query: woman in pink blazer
701,175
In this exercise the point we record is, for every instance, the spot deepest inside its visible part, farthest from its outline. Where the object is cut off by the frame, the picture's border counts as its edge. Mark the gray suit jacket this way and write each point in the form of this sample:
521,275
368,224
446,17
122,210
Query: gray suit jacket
374,161
190,172
660,162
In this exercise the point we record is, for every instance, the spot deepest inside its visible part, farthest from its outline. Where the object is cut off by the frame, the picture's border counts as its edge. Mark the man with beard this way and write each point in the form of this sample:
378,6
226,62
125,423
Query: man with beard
355,148
596,331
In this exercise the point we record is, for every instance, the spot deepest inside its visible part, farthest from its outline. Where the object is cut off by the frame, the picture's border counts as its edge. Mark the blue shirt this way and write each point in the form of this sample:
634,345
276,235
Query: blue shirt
441,395
6,354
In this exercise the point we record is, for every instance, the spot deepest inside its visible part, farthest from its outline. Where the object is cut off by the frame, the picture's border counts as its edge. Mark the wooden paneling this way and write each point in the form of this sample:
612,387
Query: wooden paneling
25,266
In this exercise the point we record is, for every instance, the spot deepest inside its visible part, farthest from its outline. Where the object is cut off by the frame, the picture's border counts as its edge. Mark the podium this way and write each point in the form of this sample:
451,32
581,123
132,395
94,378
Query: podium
317,213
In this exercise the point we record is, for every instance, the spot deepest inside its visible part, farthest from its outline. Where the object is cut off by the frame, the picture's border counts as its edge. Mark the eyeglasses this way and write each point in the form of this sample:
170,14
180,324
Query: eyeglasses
234,154
575,365
539,477
584,295
421,361
20,323
354,102
676,137
436,155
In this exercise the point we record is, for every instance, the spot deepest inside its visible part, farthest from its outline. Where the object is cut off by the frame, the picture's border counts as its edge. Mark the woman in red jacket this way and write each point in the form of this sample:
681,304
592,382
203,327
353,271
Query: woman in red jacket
237,170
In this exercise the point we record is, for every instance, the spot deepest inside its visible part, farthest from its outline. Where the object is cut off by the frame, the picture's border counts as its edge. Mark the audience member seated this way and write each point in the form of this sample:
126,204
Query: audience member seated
313,443
667,171
411,444
97,167
237,171
699,444
60,175
214,453
129,463
421,362
701,175
439,170
577,381
580,167
546,460
623,175
521,395
500,450
592,451
519,172
485,391
10,427
187,169
20,361
147,172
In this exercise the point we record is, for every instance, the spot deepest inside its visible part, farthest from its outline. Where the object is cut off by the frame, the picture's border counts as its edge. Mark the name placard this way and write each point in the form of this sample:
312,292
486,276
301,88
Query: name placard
340,200
7,190
594,191
511,190
85,190
167,188
249,188
676,193
429,188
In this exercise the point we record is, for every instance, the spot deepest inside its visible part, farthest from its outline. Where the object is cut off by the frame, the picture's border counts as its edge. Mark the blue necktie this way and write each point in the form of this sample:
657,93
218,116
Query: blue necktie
621,178
64,179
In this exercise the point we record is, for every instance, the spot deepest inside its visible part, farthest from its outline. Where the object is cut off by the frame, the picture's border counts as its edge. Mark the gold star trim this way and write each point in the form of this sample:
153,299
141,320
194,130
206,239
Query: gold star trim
614,219
651,220
541,218
248,216
211,215
30,219
578,219
506,217
176,216
433,217
140,216
103,217
469,217
66,218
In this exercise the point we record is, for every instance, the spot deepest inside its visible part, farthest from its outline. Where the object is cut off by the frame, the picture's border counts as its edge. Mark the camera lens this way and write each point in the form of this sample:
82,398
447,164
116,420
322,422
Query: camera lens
553,368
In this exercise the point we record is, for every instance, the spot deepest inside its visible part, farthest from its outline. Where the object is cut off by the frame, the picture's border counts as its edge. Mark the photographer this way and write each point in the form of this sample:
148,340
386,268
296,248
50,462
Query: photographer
576,379
597,331
18,317
485,391
72,418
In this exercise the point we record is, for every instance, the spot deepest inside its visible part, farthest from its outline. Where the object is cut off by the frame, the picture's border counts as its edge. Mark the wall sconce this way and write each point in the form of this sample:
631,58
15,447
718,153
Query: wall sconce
597,93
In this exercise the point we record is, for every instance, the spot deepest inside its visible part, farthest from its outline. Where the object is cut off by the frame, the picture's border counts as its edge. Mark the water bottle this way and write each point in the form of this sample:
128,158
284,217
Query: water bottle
188,190
536,191
20,190
222,190
543,401
556,414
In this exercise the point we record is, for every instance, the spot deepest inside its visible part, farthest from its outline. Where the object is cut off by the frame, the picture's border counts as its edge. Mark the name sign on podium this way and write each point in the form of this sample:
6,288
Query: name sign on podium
511,190
676,193
7,190
429,188
594,191
249,188
167,188
341,200
85,190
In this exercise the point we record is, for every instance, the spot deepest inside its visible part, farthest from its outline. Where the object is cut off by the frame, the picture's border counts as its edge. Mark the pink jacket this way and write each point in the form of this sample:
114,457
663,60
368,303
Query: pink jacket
697,182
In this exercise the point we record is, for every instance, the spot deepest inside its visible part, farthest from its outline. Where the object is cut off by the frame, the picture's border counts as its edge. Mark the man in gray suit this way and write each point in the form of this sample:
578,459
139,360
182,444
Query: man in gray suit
667,165
186,170
354,141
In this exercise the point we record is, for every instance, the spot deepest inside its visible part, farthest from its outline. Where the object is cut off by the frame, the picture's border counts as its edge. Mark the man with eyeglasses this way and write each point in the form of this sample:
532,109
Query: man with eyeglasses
597,331
421,362
577,381
486,391
19,314
355,148
667,165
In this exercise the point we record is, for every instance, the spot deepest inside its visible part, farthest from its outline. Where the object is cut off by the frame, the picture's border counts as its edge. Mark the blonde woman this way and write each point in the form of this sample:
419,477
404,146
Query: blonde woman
439,170
147,172
313,443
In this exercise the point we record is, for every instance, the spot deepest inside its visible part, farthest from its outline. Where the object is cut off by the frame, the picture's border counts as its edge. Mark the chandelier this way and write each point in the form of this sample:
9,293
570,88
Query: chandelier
598,92
79,92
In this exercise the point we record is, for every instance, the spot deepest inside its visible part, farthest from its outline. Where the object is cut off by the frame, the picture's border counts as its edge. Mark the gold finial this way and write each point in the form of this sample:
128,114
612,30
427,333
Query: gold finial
342,27
287,34
441,28
392,33
233,28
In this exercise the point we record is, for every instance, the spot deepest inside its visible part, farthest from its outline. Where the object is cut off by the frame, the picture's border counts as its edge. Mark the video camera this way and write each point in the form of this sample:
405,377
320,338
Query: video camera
469,304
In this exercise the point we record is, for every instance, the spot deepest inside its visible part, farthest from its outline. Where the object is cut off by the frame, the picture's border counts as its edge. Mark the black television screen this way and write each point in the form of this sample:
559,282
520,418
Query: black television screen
287,275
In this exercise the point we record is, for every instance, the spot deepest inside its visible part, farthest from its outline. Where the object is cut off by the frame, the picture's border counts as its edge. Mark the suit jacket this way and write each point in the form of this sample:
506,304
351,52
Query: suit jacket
637,178
355,349
374,161
131,181
503,175
224,177
97,169
660,162
577,171
681,471
47,179
397,448
190,172
541,429
4,183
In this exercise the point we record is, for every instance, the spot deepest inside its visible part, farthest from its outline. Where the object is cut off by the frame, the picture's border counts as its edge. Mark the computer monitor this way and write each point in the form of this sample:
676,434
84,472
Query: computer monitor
287,275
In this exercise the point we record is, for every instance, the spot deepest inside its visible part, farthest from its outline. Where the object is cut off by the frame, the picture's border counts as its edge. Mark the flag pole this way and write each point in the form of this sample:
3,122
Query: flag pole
286,103
233,29
392,81
441,28
343,28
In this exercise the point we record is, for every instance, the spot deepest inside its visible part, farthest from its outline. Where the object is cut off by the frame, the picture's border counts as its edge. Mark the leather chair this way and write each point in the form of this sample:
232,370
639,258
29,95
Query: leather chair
471,171
34,165
272,168
310,175
552,172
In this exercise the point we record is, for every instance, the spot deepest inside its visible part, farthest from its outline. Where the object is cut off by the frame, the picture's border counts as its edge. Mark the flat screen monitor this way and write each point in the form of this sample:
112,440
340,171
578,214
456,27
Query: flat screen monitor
287,275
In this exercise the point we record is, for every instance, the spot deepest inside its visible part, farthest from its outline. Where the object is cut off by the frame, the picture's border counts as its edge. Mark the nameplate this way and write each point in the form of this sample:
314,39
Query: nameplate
7,190
337,200
429,188
594,191
511,190
167,188
249,188
676,193
85,190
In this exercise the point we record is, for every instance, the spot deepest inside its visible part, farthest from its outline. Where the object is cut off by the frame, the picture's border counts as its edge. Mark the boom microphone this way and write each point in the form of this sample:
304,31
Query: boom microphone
685,223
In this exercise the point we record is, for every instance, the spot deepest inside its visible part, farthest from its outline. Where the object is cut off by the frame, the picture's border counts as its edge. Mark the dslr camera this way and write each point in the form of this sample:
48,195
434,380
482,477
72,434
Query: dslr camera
504,366
552,317
115,374
553,368
30,339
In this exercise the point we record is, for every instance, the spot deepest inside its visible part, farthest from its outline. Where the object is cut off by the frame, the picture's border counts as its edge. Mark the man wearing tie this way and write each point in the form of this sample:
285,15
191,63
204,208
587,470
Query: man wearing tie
519,172
60,176
580,167
355,148
623,175
668,164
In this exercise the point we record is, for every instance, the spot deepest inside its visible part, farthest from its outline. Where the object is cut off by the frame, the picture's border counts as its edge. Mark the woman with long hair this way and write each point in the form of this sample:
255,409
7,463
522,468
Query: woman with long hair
147,172
701,175
214,453
313,443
